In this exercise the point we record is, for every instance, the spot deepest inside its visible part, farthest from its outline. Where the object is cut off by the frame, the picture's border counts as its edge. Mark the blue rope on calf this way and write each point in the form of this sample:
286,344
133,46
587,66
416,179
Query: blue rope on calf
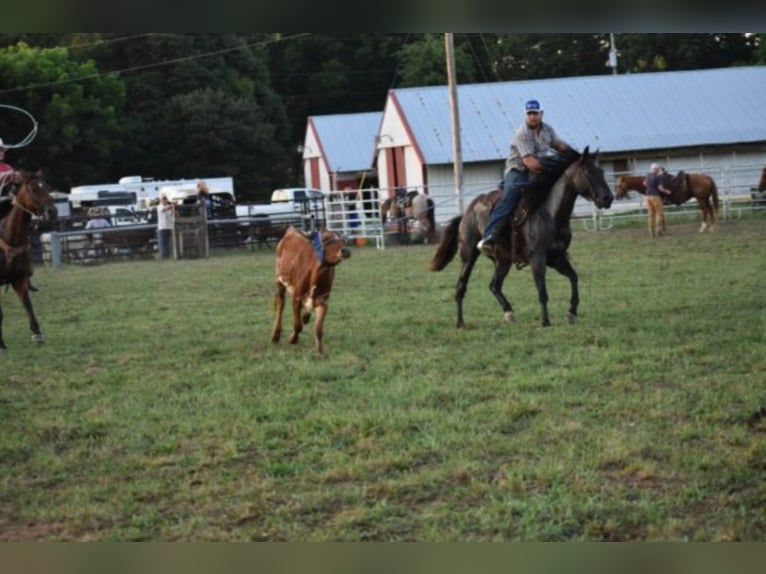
316,242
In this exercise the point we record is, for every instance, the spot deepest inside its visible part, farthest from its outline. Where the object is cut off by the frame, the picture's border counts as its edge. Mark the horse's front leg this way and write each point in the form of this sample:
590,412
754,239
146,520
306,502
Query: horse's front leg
538,272
22,290
502,267
562,264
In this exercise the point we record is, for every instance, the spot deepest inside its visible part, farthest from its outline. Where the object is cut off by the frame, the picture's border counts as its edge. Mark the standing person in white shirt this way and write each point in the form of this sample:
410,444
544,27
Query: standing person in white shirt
165,224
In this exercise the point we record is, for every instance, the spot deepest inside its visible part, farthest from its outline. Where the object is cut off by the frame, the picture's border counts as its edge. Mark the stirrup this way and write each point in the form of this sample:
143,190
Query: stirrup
486,246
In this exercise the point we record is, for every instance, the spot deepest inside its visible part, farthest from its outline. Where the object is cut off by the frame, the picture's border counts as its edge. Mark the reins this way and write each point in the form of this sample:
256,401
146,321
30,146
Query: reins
24,209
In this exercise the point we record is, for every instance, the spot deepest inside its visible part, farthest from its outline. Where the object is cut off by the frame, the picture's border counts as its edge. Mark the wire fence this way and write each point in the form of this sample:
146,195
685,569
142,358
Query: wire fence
356,214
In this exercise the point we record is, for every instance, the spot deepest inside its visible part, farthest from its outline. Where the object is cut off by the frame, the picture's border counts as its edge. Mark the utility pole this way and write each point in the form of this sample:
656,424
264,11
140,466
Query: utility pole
457,156
612,63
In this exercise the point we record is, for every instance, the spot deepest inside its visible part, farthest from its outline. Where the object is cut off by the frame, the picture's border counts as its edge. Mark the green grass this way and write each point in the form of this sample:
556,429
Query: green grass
159,410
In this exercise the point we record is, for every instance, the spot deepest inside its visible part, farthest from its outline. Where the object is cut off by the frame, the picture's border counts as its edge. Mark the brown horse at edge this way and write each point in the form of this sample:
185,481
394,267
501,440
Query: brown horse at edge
32,198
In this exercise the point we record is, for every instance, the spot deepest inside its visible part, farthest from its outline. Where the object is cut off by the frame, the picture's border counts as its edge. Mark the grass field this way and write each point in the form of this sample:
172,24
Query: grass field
159,410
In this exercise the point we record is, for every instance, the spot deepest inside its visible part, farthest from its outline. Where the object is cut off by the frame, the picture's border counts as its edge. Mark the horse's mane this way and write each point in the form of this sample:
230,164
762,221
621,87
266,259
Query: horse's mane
541,185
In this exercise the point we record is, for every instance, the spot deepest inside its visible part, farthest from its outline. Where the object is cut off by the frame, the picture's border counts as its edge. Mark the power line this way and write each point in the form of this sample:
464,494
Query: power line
118,39
154,65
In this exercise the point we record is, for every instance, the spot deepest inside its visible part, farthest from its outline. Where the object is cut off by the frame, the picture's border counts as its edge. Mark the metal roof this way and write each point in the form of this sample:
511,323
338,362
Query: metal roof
614,113
348,140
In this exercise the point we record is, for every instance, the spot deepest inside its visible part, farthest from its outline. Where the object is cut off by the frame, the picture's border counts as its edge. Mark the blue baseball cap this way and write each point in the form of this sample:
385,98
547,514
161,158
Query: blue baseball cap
532,106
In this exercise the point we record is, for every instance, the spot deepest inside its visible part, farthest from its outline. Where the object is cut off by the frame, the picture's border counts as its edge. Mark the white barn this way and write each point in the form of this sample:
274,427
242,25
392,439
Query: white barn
712,121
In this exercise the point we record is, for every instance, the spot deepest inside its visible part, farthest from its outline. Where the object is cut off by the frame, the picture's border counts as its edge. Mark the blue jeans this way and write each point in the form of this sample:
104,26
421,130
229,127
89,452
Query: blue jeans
508,200
164,242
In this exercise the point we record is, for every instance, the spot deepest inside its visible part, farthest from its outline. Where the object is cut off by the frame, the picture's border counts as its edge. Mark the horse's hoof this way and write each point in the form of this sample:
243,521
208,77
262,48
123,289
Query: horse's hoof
571,318
509,316
38,338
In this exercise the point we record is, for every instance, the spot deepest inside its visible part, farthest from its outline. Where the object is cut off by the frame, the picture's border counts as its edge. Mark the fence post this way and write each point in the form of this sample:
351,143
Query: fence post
55,249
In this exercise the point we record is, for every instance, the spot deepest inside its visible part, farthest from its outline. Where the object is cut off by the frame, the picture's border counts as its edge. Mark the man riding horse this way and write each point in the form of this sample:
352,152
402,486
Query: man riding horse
534,149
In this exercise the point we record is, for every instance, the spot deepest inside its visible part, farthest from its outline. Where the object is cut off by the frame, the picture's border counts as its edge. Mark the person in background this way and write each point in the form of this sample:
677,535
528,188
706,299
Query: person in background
533,141
654,201
97,220
165,225
203,196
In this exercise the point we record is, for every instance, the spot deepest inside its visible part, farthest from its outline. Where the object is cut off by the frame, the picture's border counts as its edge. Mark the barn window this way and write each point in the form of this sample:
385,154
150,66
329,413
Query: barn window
620,166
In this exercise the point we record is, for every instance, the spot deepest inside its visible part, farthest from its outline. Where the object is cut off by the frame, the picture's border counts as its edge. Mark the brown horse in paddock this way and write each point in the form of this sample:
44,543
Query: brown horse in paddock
701,187
684,186
626,183
542,239
762,183
32,198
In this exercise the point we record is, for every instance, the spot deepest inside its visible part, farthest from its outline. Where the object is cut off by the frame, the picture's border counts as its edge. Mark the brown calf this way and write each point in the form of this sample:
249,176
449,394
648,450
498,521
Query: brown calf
308,280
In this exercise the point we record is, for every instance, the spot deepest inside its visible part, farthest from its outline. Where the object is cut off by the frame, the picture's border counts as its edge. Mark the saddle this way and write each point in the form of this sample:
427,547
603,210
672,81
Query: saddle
509,236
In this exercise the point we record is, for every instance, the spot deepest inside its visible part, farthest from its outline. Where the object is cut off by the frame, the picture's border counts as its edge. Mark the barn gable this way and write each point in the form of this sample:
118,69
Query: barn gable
338,148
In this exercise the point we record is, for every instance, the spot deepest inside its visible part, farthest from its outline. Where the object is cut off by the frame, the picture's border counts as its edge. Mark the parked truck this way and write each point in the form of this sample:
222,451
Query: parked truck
301,207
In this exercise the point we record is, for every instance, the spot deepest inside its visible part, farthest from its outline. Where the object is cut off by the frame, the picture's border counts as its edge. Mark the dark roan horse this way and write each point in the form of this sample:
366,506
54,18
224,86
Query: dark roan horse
32,198
684,186
392,209
541,240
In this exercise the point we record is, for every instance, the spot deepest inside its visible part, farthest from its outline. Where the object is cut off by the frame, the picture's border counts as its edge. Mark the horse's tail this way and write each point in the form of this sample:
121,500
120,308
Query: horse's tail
714,197
447,248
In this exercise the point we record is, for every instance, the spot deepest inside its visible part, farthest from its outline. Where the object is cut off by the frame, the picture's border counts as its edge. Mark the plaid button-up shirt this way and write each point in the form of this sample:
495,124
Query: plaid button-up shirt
527,141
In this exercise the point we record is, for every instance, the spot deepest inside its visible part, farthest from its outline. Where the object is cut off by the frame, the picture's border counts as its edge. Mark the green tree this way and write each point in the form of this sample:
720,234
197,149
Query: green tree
224,135
77,110
321,74
424,62
185,89
534,56
760,50
659,52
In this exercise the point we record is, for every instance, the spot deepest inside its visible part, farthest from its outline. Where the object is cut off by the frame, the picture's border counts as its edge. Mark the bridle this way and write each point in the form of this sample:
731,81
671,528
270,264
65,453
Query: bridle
23,207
